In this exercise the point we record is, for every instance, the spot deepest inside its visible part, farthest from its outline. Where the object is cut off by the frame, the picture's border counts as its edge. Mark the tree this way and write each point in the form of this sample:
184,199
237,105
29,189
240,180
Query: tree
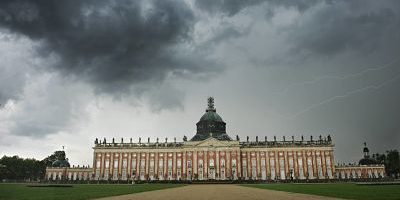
391,160
392,164
16,168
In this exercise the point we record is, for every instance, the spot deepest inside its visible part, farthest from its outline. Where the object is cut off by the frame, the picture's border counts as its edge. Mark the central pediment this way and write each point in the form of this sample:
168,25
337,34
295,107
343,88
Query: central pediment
212,142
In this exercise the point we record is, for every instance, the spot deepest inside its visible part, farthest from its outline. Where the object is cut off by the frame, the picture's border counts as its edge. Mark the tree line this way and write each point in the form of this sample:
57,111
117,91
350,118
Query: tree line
26,169
391,160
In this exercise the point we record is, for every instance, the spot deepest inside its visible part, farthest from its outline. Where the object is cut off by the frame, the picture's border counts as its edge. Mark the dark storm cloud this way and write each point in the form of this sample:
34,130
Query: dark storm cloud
330,27
362,26
228,7
111,44
232,7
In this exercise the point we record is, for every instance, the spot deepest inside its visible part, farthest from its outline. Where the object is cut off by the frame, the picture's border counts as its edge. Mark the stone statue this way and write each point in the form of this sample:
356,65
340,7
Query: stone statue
140,140
184,138
96,141
274,138
329,138
311,138
113,140
265,138
302,138
104,141
257,139
247,138
320,137
237,138
148,140
157,140
292,138
174,139
130,140
284,138
122,140
166,140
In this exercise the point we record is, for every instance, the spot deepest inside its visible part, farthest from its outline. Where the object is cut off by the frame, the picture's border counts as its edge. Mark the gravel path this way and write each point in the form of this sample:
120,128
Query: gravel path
208,192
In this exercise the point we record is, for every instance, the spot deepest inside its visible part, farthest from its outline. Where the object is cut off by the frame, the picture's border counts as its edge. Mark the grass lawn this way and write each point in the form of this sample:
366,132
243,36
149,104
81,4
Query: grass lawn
340,190
79,191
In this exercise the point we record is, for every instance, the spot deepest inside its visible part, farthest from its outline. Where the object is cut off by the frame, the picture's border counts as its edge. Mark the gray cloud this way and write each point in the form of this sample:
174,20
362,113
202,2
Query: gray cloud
111,44
48,105
15,66
339,26
227,7
233,7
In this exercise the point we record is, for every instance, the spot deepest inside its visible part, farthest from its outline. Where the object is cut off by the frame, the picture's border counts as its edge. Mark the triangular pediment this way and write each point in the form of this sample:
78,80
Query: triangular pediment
212,142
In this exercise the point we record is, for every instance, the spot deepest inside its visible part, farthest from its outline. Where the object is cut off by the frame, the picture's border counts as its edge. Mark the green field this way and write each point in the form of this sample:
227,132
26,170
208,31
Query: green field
78,191
340,190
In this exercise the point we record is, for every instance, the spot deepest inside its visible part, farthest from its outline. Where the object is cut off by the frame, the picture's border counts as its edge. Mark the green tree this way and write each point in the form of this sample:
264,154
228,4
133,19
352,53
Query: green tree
16,168
391,160
392,164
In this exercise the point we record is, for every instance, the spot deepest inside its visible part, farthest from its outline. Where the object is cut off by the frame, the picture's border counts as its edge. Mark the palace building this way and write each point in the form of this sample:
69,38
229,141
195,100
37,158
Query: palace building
211,154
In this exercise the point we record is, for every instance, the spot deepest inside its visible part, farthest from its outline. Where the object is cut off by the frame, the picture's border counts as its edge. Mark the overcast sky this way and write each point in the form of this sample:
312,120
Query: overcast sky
71,71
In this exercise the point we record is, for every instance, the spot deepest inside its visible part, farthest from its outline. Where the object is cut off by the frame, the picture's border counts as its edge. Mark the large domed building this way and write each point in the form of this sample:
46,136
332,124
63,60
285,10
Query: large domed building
211,154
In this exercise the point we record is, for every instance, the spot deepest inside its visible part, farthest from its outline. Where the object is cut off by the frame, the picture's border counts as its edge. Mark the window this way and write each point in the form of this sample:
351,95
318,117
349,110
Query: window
115,163
169,163
310,168
178,163
98,164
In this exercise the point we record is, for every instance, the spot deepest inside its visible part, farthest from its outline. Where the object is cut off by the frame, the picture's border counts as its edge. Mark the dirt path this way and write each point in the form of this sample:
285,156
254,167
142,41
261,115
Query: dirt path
208,192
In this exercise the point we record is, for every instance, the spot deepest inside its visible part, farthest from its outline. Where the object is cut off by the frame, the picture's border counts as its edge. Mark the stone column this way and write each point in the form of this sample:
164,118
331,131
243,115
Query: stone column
102,165
296,172
129,167
195,162
205,164
239,163
184,163
286,161
258,161
165,173
111,165
228,167
121,157
248,165
174,174
94,162
217,164
267,167
323,163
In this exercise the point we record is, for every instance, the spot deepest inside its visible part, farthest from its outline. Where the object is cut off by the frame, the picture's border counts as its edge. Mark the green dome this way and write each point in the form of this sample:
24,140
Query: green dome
211,125
211,116
61,163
